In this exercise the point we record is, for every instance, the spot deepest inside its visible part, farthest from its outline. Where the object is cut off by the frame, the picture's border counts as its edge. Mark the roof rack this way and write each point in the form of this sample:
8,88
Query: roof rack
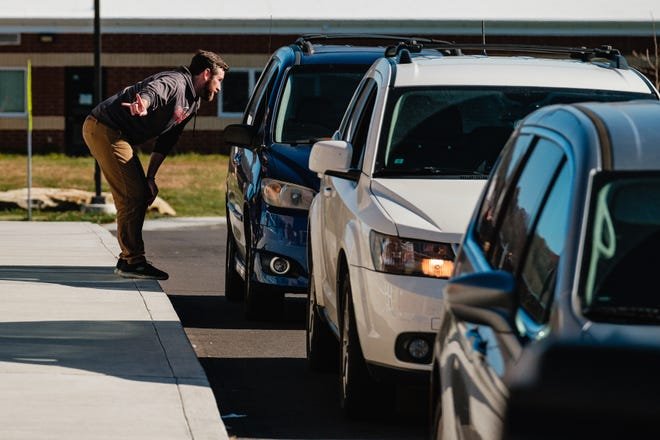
611,55
403,50
305,41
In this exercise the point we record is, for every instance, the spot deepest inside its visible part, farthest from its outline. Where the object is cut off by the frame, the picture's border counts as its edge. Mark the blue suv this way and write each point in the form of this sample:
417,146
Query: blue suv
300,97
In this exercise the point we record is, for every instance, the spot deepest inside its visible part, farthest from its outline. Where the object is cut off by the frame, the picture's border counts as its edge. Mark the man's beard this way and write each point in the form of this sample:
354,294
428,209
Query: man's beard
207,93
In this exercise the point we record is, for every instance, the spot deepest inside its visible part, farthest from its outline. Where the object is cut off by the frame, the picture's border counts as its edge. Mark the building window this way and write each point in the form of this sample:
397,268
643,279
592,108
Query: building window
236,89
12,92
10,39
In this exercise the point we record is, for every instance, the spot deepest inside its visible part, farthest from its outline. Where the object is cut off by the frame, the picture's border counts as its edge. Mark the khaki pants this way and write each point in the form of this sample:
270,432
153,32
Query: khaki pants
125,175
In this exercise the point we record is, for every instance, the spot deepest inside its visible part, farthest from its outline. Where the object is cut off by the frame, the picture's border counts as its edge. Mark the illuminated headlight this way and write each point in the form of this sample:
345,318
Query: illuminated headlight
411,257
286,195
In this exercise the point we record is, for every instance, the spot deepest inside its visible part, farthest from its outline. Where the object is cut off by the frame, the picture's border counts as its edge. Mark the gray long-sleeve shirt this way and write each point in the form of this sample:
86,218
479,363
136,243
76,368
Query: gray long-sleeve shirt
172,103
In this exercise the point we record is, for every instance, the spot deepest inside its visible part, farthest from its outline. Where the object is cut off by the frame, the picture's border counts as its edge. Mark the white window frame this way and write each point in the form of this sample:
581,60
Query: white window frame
25,103
253,76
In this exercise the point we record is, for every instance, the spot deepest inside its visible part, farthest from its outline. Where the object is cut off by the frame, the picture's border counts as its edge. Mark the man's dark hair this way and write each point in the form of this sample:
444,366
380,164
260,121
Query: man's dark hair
204,59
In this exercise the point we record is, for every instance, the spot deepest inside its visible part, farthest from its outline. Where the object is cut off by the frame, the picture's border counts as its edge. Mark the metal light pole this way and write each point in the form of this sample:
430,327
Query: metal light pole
98,198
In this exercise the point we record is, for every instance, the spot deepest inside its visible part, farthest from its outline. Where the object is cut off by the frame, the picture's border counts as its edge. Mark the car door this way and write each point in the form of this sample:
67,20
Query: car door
339,192
244,165
520,230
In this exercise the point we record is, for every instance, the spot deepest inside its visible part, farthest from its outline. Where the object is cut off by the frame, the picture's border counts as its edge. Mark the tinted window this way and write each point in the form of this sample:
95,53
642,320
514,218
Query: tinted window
444,131
258,102
539,273
362,119
523,204
621,255
313,101
493,199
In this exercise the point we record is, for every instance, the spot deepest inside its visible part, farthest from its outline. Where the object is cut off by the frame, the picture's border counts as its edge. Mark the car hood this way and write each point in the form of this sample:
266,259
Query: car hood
290,164
429,209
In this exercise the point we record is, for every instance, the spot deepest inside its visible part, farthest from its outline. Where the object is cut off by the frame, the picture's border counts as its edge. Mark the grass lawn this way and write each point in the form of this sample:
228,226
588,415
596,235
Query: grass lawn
193,184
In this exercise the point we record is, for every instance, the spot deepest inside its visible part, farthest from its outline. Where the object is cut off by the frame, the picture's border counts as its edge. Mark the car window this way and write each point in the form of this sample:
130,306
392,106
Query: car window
258,101
460,131
348,120
525,198
359,129
494,196
539,273
313,100
621,249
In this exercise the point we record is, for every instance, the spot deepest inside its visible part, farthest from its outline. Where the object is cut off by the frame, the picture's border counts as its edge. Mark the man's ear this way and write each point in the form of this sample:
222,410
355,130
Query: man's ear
207,74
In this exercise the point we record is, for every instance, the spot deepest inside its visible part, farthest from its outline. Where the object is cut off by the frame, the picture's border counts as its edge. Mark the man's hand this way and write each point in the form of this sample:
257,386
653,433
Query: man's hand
137,108
153,190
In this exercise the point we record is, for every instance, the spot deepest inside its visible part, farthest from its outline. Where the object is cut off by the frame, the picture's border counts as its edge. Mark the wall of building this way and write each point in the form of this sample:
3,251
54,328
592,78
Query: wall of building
128,58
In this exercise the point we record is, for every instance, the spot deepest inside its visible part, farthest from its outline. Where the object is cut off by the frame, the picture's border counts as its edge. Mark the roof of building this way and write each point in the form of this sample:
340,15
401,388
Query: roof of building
586,17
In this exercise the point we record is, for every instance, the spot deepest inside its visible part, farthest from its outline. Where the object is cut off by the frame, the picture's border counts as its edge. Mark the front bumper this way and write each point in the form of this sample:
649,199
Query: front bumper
387,306
281,235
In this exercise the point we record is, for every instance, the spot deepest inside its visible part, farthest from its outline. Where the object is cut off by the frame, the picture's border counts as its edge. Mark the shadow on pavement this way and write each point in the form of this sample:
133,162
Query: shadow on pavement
258,399
126,349
100,277
214,311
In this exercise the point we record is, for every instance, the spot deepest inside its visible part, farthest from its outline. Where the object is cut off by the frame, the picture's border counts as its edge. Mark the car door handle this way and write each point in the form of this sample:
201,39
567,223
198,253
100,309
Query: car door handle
327,191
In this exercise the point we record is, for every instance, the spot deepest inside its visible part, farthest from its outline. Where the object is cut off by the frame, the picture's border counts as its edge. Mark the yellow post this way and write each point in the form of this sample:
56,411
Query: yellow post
29,94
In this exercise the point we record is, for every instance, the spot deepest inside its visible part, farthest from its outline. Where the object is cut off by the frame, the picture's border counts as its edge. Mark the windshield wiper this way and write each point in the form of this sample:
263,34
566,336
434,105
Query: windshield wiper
429,171
310,141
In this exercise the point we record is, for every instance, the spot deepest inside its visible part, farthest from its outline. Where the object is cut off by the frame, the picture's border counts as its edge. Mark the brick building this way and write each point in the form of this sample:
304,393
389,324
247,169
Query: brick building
141,38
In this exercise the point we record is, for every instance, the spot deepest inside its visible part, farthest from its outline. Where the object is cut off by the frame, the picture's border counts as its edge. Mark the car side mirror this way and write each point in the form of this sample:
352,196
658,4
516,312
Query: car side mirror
487,298
242,135
483,297
331,156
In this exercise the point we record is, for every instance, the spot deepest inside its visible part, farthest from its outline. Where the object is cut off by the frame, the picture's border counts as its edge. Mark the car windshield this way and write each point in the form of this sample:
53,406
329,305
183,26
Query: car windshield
313,101
621,251
441,131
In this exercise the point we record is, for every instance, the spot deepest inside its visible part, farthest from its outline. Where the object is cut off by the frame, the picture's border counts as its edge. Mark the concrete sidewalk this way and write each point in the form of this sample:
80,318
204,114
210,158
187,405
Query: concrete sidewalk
85,354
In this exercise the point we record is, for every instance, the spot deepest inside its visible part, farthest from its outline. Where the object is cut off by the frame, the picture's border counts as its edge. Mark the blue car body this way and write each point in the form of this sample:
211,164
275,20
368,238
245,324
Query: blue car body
257,231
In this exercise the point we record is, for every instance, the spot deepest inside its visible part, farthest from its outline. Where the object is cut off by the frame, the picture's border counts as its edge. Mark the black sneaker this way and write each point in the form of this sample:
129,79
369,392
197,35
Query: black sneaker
120,265
140,270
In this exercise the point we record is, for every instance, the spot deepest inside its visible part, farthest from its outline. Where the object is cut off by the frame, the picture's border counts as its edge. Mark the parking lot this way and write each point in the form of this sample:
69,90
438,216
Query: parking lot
257,369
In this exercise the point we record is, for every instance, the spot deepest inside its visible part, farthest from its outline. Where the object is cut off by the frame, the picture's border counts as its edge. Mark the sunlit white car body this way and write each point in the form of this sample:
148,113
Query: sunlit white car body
388,304
371,185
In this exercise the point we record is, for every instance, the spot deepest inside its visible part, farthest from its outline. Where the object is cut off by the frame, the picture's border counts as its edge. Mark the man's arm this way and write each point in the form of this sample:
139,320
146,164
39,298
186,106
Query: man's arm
155,161
164,144
167,140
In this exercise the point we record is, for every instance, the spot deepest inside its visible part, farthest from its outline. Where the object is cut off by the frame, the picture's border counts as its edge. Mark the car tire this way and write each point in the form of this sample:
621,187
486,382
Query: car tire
360,396
261,303
322,345
436,422
234,284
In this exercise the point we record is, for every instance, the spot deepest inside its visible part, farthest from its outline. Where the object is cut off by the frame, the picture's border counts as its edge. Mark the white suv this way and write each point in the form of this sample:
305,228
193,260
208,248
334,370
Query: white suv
399,182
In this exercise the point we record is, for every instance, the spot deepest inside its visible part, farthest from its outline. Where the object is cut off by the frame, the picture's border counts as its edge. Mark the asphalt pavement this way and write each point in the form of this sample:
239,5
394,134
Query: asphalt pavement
85,354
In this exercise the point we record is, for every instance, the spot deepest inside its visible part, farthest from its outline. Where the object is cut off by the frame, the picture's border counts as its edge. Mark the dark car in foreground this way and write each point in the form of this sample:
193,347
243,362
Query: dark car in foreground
299,98
552,328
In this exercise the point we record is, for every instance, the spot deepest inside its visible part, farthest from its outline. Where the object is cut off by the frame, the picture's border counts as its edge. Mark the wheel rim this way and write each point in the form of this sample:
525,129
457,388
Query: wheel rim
310,316
248,266
229,255
344,353
230,264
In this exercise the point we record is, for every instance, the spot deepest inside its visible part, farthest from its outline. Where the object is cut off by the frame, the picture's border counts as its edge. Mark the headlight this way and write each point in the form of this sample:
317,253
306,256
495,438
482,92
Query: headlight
286,195
411,257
